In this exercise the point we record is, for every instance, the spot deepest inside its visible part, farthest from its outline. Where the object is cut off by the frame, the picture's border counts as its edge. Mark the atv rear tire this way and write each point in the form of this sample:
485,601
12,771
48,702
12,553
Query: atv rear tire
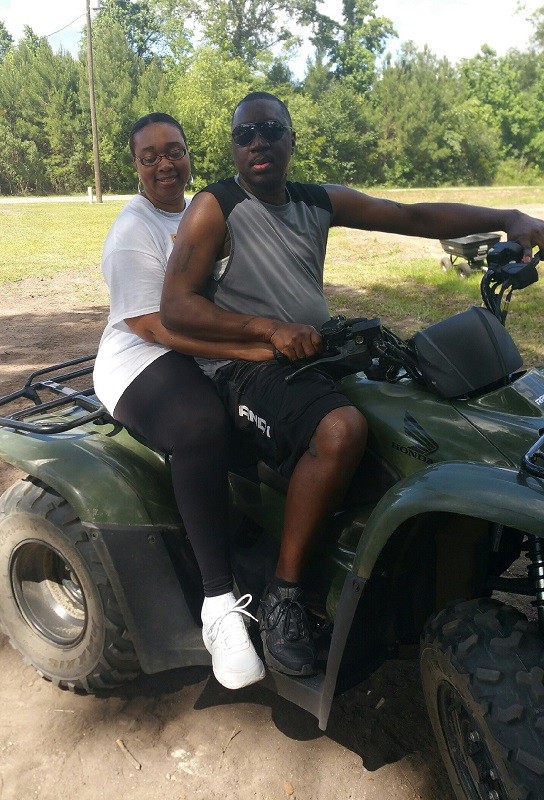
56,604
482,667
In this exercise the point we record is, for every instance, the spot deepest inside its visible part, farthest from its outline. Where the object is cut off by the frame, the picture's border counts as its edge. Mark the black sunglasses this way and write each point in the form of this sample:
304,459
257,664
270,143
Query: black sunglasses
270,130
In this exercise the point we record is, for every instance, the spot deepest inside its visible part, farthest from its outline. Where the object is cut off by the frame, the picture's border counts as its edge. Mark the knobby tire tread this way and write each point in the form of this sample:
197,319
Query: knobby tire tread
118,662
499,656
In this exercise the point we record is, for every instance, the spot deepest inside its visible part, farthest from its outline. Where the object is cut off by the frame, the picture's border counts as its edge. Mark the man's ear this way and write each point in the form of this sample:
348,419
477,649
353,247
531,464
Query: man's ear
293,141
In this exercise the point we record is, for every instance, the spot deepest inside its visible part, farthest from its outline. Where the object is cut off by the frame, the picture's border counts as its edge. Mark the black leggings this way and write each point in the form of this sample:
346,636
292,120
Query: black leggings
176,408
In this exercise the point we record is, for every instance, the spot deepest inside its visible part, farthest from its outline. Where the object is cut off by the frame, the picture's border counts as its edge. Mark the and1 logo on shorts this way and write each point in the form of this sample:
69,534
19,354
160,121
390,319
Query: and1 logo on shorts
244,411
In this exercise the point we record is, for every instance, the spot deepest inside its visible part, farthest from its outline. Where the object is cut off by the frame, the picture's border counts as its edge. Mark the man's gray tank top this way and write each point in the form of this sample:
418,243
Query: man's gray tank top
275,266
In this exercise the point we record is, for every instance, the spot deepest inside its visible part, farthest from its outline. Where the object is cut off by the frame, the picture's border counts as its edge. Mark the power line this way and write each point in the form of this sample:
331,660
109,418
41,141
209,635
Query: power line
49,35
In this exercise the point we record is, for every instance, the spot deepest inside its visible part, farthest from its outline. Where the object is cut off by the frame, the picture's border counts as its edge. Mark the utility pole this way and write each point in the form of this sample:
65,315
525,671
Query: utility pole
90,70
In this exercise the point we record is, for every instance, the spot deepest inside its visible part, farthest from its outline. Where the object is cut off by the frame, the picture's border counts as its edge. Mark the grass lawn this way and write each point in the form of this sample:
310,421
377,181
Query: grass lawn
41,239
366,274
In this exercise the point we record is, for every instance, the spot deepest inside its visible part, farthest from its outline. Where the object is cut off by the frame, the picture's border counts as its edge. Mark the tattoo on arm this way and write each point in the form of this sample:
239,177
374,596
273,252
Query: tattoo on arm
182,263
394,203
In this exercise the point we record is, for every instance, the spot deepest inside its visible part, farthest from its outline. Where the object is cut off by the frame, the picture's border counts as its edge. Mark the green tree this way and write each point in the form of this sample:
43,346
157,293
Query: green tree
504,86
318,77
21,168
353,46
244,29
6,40
430,131
537,18
117,71
38,98
155,91
205,98
278,74
138,20
176,43
336,139
66,164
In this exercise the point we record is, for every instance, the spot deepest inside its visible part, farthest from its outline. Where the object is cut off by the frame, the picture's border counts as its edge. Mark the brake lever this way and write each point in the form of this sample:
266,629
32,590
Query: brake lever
342,338
349,348
307,363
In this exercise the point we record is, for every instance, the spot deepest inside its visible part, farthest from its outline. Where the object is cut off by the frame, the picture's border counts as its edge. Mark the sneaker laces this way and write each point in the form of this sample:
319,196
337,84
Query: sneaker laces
290,611
239,607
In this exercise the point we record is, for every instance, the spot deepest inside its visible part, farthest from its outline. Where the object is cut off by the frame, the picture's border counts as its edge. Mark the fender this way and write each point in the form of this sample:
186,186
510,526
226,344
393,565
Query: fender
120,490
108,477
493,493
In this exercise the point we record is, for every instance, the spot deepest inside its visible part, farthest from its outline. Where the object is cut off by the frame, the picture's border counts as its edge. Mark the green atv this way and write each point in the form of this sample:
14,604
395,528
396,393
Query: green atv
98,582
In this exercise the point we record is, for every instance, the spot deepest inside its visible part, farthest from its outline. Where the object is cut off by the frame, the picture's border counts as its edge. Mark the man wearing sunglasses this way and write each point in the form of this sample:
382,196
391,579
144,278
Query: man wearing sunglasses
248,266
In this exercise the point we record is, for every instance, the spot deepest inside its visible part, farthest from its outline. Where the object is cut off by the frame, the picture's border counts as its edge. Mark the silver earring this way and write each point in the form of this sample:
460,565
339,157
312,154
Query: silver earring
140,186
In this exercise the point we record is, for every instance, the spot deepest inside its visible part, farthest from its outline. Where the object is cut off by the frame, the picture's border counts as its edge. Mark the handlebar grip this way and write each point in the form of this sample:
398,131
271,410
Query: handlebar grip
280,358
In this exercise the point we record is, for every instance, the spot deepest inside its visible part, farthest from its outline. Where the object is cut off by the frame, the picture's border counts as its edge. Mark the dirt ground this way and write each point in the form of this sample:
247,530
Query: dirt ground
179,735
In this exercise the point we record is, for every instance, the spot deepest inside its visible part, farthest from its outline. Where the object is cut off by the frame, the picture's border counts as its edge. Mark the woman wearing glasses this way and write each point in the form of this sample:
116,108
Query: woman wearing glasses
147,379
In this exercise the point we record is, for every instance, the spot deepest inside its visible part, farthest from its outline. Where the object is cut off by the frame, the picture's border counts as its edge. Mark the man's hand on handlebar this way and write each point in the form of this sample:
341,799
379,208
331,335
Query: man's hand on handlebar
528,232
296,341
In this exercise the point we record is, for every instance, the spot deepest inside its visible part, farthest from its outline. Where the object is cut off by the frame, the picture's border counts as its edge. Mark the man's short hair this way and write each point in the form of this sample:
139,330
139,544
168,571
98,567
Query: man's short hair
249,98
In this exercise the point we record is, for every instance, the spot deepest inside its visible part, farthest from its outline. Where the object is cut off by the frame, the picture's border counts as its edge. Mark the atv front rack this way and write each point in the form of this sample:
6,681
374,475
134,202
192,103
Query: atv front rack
77,406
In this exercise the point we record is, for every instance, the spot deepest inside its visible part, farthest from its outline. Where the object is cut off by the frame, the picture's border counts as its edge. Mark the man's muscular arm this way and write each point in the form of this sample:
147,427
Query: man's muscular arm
355,209
184,309
150,328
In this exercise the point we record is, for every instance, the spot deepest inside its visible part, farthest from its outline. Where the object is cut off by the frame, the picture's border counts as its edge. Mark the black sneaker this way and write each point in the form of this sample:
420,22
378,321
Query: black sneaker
288,646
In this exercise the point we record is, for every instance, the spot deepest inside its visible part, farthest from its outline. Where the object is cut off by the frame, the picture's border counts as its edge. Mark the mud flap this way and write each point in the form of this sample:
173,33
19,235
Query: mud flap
316,694
155,606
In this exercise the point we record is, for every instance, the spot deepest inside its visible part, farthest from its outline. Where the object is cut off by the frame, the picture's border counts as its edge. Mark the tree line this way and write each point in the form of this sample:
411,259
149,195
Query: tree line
361,117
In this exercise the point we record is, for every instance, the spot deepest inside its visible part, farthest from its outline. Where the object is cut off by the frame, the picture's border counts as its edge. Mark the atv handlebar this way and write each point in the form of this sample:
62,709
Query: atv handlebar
344,338
506,273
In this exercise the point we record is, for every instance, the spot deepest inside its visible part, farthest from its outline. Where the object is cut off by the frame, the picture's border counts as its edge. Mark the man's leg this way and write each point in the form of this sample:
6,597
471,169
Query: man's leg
318,484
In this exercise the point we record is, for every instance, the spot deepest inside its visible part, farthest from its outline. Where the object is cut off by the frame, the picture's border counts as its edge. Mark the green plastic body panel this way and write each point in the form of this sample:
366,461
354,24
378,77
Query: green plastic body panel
449,457
413,428
502,496
513,417
496,428
107,476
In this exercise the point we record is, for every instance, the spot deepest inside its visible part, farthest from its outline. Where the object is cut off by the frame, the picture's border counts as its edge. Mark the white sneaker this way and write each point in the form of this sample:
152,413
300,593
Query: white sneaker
234,660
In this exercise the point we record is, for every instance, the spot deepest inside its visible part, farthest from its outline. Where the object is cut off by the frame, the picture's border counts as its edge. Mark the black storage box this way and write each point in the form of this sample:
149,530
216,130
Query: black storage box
465,353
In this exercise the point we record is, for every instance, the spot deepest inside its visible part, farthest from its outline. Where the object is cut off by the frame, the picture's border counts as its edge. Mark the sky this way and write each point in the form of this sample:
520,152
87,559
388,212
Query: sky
452,28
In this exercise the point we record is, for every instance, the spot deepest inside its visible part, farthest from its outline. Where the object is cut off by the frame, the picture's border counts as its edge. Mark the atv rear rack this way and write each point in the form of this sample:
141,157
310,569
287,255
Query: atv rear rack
54,380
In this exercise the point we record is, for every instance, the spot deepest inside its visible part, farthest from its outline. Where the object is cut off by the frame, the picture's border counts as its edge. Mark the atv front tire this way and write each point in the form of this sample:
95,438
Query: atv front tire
482,667
57,606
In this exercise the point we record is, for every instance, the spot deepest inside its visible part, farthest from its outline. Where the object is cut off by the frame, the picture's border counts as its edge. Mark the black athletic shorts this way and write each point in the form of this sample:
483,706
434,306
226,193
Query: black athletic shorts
279,417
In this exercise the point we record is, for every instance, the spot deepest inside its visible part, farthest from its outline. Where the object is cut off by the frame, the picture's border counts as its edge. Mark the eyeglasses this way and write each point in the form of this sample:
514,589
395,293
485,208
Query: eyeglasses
175,154
270,130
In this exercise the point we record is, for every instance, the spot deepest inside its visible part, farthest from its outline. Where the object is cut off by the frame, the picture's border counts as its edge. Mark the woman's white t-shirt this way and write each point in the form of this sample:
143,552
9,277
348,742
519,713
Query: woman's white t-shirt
134,261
